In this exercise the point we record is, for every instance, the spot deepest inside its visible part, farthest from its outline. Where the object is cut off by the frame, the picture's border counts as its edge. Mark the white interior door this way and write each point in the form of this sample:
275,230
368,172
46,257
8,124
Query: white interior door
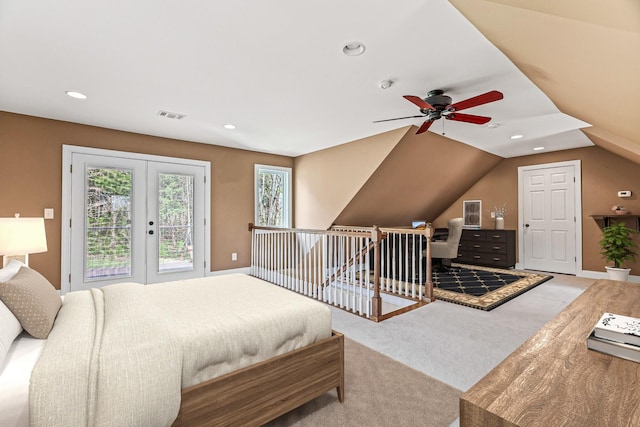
135,220
549,224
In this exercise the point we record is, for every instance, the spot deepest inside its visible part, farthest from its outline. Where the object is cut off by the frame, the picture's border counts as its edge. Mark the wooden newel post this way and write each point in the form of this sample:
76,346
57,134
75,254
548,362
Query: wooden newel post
376,303
428,285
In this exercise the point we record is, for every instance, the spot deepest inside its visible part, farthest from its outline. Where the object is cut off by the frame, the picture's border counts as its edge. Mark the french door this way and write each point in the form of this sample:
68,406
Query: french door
550,217
135,220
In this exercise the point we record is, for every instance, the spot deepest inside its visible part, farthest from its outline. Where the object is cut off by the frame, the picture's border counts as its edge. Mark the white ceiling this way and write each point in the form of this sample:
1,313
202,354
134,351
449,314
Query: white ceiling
275,69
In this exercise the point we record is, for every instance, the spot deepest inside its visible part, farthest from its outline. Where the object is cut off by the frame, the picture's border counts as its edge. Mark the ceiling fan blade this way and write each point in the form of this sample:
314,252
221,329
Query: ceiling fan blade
419,102
399,118
425,126
468,118
485,98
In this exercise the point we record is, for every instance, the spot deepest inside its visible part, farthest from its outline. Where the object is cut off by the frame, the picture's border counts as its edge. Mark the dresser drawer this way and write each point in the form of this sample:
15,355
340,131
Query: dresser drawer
493,247
497,260
496,236
474,235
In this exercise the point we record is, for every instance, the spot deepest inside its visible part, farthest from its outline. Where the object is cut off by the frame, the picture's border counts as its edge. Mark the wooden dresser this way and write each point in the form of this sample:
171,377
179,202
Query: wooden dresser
554,380
492,248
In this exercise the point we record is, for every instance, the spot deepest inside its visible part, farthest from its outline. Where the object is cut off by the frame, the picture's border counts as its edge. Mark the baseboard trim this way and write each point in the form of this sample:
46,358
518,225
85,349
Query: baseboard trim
243,270
590,274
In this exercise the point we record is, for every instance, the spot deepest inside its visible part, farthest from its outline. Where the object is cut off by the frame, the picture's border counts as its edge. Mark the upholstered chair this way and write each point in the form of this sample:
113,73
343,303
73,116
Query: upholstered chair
448,249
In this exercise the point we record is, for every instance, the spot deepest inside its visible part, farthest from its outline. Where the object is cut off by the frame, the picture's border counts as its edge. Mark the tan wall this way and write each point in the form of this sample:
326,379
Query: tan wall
31,176
603,175
388,179
326,180
420,178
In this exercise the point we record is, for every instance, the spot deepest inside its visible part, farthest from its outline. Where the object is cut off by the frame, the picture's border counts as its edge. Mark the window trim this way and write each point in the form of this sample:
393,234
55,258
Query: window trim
258,168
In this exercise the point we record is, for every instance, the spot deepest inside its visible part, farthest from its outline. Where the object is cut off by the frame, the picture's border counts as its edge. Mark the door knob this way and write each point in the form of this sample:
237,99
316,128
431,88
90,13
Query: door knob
526,225
150,231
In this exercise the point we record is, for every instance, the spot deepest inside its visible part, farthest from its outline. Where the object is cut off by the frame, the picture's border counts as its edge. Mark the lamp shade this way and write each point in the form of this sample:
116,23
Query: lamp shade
21,236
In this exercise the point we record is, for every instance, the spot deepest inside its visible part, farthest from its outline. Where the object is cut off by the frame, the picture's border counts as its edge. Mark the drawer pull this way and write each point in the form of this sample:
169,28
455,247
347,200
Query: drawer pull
496,259
476,246
476,257
497,248
496,236
476,235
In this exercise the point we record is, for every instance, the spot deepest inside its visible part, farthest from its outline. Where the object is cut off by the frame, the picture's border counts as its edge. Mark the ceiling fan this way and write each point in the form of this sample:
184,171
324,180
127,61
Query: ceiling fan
437,105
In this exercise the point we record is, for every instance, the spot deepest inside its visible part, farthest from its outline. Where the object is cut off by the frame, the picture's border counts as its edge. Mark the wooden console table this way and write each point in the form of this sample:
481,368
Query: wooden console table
605,220
554,380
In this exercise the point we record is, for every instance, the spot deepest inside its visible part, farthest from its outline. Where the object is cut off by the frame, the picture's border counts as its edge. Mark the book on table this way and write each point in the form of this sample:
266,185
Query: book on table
615,327
614,348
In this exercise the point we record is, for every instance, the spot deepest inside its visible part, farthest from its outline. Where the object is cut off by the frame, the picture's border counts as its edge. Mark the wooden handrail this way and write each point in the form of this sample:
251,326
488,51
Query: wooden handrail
306,230
347,264
301,260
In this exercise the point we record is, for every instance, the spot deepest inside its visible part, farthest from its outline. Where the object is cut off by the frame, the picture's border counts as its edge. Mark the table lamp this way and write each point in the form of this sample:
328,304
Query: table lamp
20,237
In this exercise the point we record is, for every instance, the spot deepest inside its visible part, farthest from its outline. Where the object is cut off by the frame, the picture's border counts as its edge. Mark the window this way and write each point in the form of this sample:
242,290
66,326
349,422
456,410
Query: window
273,196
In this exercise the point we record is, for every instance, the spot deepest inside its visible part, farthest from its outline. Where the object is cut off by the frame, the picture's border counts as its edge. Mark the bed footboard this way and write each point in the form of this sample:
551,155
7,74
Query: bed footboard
259,393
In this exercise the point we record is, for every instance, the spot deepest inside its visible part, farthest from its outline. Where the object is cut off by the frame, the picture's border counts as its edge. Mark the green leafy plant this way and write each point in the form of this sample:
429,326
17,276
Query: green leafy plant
616,244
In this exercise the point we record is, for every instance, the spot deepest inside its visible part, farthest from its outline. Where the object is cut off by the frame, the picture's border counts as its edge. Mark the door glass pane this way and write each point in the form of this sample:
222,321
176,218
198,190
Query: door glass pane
175,222
108,223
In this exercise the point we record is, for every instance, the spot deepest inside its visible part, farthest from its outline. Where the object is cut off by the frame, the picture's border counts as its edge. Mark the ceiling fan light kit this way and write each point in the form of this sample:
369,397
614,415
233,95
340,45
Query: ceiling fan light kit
437,105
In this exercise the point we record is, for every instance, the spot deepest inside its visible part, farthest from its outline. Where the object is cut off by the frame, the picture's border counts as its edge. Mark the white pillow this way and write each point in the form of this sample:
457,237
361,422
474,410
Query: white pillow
10,326
10,270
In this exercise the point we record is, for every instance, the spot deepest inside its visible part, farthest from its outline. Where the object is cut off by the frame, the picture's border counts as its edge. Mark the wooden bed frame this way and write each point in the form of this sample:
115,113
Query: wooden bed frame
262,392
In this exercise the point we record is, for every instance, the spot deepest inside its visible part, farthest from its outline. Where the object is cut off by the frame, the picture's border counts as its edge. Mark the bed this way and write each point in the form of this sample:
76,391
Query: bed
222,350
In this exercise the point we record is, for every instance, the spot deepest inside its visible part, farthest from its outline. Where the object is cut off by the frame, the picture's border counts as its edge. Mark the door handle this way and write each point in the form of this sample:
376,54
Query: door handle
150,231
526,225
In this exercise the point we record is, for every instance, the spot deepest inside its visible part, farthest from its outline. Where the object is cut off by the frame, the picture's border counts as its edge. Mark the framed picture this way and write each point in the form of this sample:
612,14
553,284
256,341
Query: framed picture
472,213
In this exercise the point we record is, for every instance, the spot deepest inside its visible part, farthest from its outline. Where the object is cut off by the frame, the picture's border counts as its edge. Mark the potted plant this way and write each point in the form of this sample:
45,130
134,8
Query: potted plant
617,246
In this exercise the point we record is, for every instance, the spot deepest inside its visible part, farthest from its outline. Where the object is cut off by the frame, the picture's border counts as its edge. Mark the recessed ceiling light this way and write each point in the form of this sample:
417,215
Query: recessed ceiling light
518,136
538,148
353,49
386,84
229,126
76,95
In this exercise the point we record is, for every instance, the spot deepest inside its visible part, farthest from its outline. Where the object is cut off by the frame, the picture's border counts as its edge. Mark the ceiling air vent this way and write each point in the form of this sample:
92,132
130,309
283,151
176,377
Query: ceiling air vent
169,115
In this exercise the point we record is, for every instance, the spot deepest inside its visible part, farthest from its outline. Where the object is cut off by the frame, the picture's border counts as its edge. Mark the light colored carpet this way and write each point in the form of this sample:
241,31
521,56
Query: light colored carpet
459,345
379,391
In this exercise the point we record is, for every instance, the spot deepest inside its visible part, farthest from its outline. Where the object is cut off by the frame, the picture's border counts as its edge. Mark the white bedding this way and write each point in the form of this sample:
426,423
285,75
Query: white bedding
14,380
162,338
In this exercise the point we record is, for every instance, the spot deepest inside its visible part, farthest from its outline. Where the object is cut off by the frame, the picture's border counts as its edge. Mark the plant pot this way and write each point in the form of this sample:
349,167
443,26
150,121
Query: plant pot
621,274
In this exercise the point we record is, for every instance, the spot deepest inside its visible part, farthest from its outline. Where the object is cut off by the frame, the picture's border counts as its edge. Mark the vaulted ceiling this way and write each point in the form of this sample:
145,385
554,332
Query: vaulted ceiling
277,71
583,54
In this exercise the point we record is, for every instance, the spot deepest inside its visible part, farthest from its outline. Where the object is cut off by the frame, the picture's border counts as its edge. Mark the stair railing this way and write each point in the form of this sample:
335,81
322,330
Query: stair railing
345,266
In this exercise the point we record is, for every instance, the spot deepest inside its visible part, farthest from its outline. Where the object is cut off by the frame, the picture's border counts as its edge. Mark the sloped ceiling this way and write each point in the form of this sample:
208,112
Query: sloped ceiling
421,177
274,69
584,54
